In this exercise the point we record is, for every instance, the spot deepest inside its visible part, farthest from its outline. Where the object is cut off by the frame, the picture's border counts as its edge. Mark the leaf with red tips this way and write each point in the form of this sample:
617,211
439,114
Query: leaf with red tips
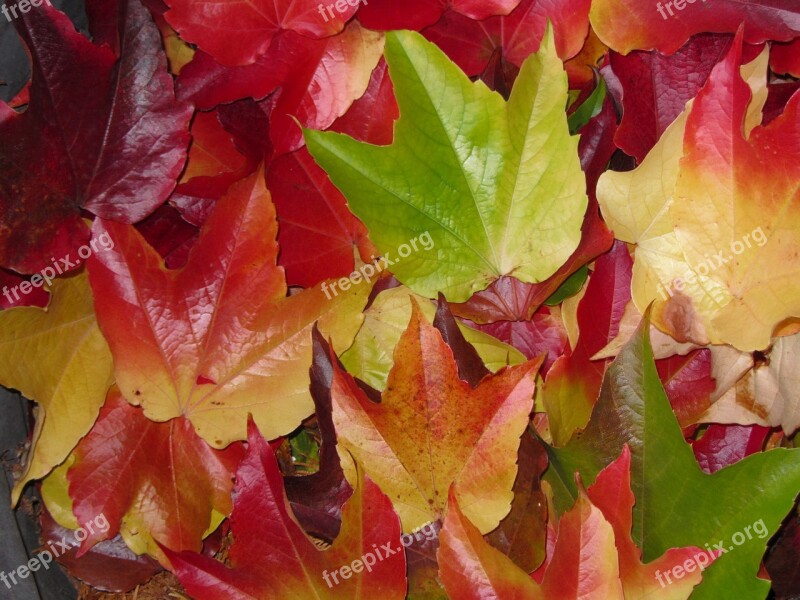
153,482
100,133
723,205
611,493
432,429
217,339
584,563
272,557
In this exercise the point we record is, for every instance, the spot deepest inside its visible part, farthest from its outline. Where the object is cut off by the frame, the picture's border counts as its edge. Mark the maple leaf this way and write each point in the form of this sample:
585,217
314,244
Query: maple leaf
471,43
58,358
644,25
704,231
100,133
432,429
678,505
153,482
370,356
485,193
272,557
254,25
218,338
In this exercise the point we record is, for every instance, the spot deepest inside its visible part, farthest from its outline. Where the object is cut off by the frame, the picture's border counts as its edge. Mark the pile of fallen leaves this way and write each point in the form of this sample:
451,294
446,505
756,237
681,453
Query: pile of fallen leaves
424,299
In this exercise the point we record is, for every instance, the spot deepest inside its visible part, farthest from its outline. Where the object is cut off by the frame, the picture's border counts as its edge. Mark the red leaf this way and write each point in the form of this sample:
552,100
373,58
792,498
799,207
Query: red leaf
573,383
655,88
688,383
470,43
723,445
543,334
99,134
371,118
665,26
214,26
109,566
785,58
273,558
153,479
317,233
318,80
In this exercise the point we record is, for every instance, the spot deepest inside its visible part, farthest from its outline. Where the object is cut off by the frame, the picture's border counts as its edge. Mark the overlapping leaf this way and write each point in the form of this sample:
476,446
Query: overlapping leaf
432,429
272,557
370,356
66,370
318,80
704,233
217,339
212,25
486,193
676,503
573,383
153,482
101,133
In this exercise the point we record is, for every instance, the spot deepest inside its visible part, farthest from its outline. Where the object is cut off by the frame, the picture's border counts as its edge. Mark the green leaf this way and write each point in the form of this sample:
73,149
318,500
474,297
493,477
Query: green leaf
570,287
590,108
498,185
677,504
